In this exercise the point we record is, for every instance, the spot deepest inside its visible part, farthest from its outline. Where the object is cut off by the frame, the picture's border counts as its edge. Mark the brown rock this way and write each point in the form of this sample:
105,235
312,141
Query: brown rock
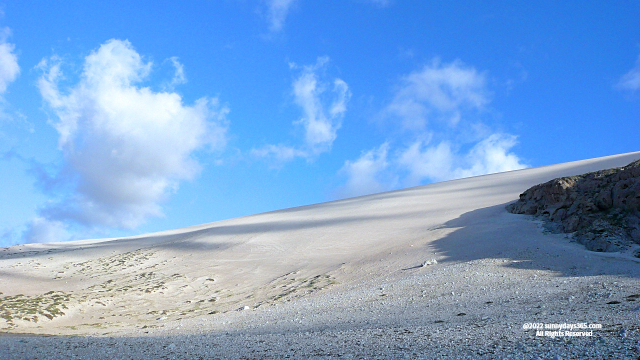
602,208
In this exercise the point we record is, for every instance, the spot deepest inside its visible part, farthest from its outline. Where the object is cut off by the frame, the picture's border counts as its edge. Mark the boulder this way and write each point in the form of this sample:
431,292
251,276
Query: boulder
601,208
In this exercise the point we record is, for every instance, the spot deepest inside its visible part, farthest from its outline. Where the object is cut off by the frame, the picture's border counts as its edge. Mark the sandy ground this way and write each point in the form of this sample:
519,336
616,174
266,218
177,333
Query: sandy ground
339,279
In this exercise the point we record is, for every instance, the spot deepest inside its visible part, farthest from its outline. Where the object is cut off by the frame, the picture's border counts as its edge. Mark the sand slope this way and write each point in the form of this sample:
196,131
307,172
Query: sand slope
338,266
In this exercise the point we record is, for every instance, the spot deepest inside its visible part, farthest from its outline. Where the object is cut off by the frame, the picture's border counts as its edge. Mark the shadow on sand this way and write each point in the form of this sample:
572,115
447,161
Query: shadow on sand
195,240
493,233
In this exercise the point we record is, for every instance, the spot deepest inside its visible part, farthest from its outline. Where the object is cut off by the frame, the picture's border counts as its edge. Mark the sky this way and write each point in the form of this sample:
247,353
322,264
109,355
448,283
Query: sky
122,118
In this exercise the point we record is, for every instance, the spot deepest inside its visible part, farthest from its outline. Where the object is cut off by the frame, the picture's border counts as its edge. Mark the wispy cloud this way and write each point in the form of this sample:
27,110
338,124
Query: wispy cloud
321,121
437,92
9,69
41,230
178,76
125,147
439,108
368,174
279,153
277,11
631,80
323,104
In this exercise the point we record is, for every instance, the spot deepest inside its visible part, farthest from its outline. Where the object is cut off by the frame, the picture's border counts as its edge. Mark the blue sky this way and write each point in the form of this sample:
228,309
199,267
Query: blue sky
120,118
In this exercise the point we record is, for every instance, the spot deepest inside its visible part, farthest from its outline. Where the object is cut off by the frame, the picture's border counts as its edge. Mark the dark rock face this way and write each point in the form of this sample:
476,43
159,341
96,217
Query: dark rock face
602,208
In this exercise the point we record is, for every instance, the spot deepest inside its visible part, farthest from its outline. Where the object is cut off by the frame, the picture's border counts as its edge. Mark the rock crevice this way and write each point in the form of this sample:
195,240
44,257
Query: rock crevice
601,209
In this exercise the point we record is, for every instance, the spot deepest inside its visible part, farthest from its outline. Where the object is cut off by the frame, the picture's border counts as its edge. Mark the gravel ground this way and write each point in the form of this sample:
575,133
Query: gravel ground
358,322
410,342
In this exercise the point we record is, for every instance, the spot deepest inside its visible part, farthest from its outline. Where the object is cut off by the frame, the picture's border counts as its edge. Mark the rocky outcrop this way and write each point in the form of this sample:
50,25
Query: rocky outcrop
601,208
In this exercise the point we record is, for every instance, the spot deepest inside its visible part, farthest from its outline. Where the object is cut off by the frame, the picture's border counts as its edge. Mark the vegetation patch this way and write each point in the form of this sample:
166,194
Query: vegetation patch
33,308
288,286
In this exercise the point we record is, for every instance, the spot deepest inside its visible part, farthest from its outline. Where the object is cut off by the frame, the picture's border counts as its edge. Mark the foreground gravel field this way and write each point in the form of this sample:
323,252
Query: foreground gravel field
408,342
411,321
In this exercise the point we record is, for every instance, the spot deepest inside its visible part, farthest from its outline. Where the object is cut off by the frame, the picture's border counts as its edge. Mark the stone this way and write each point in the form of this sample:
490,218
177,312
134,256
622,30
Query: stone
601,208
429,262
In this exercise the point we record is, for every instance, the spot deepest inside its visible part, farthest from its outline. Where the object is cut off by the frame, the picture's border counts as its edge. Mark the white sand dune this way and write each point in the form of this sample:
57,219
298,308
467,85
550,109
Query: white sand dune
348,267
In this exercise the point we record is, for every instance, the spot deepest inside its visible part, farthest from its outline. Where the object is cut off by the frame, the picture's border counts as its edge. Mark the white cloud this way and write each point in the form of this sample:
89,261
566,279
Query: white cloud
442,162
631,80
277,11
437,90
323,105
320,126
367,175
41,230
433,162
491,155
9,69
179,76
454,95
279,153
376,171
125,147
